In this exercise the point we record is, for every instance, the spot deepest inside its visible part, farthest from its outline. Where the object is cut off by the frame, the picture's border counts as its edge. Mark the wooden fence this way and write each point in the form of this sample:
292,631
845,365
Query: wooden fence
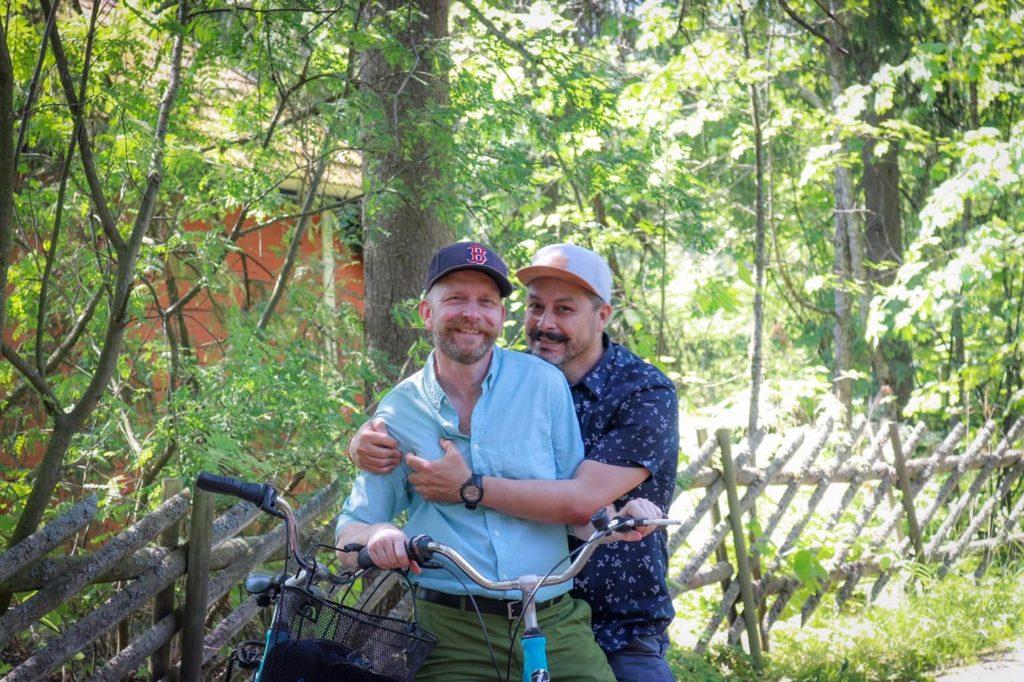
925,525
953,499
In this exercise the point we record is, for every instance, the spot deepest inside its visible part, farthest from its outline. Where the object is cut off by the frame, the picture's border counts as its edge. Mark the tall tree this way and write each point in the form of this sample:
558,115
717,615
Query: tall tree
69,420
877,36
7,170
757,334
403,138
845,238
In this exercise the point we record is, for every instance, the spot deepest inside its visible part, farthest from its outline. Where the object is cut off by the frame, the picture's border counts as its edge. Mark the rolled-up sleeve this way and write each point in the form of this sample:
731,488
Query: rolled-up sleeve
377,498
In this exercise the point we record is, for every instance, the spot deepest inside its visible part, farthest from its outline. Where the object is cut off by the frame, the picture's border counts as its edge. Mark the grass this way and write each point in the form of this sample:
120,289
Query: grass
720,663
944,624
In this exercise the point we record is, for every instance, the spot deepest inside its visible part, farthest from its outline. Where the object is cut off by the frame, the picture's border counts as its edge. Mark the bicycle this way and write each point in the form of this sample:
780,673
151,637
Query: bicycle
314,637
422,549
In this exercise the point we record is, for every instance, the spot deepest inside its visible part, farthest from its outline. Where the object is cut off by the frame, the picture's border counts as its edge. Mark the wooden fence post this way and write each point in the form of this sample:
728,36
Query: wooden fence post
907,492
163,603
721,553
196,584
750,616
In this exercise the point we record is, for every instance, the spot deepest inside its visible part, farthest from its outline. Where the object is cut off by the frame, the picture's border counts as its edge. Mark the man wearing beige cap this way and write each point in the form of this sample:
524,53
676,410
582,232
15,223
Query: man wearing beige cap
628,417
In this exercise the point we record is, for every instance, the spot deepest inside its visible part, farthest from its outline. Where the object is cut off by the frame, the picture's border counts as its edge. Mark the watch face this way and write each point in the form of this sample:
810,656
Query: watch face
472,493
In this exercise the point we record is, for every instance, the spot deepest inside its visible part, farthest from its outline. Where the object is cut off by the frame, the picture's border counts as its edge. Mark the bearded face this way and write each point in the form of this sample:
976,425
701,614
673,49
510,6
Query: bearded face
564,324
464,315
464,340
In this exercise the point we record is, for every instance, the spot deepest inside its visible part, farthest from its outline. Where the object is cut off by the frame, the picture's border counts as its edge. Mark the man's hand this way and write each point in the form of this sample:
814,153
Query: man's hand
387,549
638,509
641,508
373,450
439,480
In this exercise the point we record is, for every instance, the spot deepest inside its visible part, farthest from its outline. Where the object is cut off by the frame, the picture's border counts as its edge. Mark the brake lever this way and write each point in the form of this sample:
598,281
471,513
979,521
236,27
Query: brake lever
624,524
430,564
343,578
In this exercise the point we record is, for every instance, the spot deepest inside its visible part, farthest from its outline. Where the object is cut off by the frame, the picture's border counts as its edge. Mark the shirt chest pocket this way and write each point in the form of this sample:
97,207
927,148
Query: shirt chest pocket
527,457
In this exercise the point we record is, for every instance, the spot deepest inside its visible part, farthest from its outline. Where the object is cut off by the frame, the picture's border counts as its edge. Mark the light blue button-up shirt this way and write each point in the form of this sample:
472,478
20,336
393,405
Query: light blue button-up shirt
523,427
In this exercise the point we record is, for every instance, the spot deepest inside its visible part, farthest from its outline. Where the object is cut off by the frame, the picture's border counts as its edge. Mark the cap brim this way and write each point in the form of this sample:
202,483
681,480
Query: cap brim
532,272
504,285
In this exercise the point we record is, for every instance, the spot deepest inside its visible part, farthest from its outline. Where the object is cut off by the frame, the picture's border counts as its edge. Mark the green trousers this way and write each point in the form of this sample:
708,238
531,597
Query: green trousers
461,652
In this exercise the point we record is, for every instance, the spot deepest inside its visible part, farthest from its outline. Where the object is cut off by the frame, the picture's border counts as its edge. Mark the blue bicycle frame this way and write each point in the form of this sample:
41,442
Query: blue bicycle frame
535,657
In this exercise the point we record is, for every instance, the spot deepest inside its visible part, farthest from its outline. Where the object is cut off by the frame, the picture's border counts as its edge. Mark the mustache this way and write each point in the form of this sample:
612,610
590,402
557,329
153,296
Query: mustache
556,337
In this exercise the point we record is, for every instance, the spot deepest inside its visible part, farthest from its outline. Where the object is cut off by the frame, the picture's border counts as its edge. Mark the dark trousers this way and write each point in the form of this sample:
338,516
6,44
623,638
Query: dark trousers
643,660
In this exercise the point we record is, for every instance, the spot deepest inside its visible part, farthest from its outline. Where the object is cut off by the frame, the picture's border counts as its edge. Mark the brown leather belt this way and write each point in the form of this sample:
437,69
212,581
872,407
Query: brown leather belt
501,607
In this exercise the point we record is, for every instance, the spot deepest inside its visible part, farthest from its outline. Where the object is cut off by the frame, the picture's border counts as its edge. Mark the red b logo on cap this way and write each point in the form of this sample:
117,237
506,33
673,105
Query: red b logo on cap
477,255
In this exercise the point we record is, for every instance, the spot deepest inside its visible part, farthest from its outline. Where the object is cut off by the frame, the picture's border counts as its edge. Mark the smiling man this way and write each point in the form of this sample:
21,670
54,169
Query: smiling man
628,415
507,415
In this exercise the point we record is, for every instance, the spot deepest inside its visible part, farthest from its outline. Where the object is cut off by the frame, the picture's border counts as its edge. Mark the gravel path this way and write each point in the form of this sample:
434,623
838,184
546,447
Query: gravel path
1004,667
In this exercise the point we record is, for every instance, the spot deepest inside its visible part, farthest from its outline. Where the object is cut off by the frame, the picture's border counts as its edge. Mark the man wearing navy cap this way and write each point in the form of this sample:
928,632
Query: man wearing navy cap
628,415
471,401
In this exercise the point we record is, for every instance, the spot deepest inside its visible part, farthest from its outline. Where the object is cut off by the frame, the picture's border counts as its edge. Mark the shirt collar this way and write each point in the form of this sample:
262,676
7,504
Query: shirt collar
432,387
596,380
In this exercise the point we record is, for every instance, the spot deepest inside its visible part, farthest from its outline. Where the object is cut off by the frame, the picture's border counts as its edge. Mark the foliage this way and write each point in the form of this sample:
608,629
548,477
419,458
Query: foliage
626,127
628,131
944,624
720,663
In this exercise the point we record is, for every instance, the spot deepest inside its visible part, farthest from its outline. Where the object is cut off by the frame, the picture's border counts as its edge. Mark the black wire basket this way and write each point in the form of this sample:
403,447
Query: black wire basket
315,640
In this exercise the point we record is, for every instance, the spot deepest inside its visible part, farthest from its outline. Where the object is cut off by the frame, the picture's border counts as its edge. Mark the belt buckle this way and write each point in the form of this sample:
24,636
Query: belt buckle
515,608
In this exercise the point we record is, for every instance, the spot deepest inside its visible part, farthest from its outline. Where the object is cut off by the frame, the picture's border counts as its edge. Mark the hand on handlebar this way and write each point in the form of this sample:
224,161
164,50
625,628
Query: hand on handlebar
387,548
641,508
638,509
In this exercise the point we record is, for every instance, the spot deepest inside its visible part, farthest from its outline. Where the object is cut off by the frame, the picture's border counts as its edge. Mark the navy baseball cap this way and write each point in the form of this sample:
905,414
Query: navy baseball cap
468,256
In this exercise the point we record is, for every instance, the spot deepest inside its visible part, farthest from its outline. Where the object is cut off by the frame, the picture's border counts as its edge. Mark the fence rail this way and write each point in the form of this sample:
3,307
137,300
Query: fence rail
896,489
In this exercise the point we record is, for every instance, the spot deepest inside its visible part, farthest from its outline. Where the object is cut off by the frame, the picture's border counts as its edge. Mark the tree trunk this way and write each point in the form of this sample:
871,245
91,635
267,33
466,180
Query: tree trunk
842,334
757,334
959,239
893,359
402,173
7,170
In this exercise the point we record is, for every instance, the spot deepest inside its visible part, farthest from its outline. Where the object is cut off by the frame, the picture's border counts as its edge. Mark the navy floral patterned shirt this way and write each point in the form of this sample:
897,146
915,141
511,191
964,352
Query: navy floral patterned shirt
629,416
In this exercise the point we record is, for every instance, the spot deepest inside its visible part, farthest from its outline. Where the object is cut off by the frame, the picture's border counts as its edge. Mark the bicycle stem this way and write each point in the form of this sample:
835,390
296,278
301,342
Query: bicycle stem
527,585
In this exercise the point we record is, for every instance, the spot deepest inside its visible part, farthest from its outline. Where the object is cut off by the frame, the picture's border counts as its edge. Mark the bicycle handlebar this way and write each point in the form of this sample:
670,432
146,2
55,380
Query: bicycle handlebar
422,548
262,495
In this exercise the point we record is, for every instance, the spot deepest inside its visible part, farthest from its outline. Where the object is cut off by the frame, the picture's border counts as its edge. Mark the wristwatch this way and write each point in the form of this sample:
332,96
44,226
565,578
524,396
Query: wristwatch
472,491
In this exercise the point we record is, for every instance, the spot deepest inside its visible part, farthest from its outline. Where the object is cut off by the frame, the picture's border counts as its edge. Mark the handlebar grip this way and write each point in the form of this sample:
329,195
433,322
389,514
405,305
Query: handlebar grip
260,494
363,560
416,549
